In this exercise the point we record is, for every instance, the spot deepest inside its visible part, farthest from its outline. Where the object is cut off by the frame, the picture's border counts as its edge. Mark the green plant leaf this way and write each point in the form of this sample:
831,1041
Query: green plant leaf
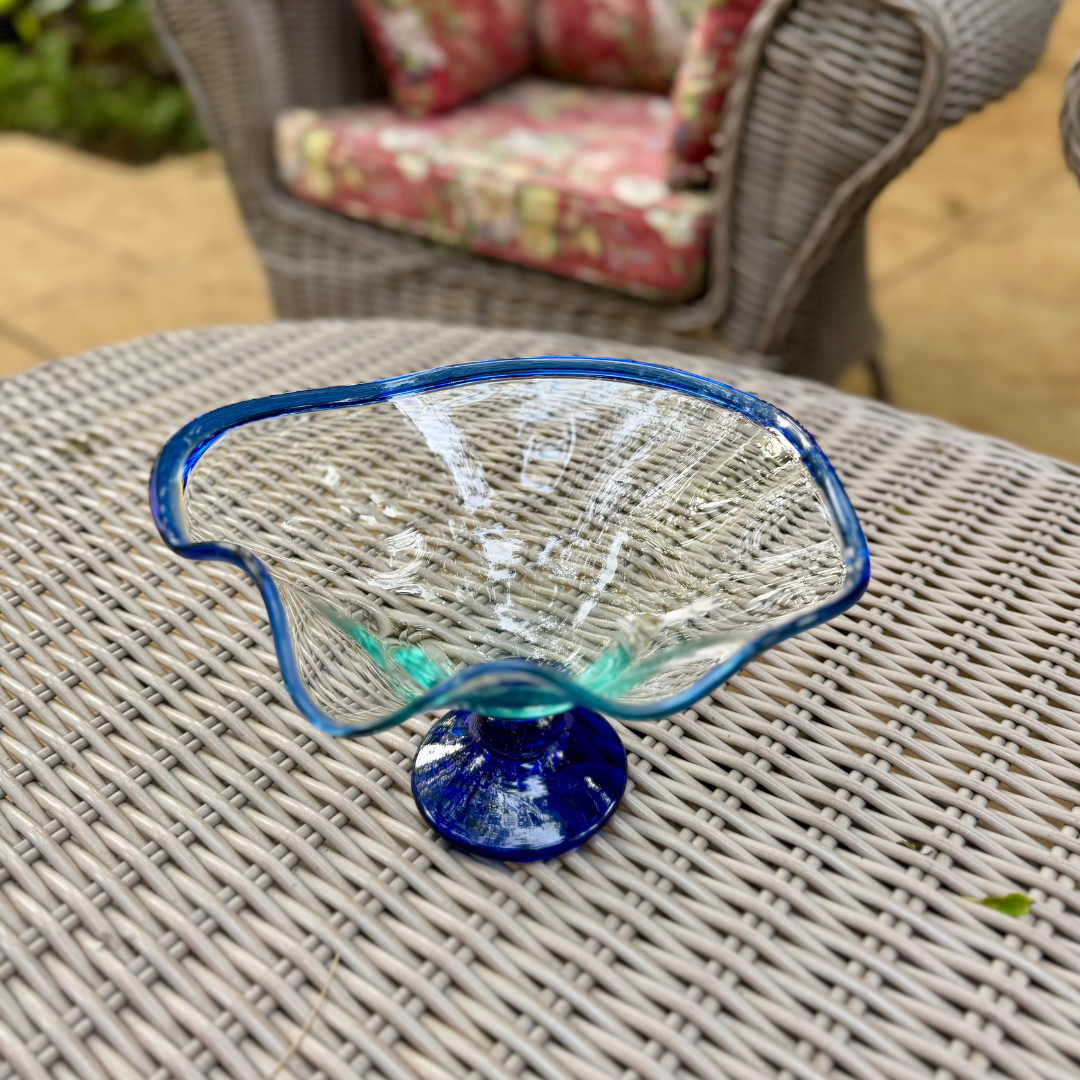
1014,904
27,25
911,844
92,74
44,8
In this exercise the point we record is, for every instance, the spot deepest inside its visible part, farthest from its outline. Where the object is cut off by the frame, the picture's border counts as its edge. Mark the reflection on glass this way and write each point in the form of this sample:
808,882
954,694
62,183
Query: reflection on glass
631,536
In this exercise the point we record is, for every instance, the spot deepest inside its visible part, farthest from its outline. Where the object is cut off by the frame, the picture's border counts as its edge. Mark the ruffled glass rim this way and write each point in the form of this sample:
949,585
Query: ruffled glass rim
180,454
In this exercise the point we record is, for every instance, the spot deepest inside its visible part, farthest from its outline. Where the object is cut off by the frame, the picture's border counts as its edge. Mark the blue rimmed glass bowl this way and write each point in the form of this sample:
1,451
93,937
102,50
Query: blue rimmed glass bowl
528,544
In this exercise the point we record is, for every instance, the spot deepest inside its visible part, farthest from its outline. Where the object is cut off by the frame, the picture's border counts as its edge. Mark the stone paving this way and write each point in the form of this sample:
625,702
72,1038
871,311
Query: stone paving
92,252
975,257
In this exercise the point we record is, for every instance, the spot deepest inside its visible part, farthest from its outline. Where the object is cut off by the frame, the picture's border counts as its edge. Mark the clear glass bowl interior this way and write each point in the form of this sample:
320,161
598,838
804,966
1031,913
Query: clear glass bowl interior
629,536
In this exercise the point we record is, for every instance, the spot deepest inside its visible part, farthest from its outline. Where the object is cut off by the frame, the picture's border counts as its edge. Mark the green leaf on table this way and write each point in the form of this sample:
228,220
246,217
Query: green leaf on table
1014,904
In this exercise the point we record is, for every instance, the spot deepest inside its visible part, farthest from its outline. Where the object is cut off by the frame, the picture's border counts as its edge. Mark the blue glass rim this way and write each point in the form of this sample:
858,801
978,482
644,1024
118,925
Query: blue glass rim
184,449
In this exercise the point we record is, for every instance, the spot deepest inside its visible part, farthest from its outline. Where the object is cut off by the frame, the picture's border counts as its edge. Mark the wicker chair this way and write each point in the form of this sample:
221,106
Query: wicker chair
1070,119
832,98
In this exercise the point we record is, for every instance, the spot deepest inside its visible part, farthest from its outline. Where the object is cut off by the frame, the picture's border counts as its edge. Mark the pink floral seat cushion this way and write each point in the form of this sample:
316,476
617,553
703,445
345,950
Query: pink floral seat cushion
569,179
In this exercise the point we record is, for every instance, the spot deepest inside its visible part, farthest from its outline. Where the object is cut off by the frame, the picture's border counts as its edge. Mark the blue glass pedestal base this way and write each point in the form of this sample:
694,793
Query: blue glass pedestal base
519,789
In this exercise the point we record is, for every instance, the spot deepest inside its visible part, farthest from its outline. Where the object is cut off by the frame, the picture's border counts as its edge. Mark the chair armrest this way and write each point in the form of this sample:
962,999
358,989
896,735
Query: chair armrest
831,100
1070,119
243,61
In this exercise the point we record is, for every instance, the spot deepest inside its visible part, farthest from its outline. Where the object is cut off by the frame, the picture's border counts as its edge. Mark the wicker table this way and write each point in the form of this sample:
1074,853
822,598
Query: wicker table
195,883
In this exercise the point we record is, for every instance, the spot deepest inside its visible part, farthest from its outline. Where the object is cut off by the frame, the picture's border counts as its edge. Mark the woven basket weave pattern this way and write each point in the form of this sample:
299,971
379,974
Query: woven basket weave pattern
185,863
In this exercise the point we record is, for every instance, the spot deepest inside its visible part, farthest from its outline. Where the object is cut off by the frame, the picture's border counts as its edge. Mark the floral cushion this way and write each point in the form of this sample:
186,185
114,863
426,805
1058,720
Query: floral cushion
626,44
569,179
702,84
435,54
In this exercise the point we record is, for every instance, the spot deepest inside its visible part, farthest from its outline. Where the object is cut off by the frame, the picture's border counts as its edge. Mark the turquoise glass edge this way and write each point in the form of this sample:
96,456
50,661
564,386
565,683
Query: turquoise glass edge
182,451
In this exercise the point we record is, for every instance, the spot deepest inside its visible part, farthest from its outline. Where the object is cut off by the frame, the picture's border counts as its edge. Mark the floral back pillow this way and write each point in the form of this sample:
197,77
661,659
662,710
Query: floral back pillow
701,86
626,44
437,54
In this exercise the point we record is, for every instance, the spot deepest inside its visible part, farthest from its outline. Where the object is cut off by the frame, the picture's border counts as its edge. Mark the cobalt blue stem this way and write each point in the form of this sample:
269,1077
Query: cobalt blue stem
519,789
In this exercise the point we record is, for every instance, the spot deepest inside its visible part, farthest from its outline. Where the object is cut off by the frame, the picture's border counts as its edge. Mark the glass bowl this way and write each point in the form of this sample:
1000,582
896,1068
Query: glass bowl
528,544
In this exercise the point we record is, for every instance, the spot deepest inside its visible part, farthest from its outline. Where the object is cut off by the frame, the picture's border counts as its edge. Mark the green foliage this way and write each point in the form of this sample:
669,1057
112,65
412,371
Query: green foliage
91,73
1014,903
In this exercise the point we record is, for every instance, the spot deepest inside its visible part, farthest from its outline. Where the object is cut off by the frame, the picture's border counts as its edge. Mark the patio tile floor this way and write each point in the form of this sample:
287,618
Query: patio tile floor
93,252
975,259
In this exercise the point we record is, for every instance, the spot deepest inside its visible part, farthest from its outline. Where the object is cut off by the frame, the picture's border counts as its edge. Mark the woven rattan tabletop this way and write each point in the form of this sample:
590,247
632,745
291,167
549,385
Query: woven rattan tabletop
193,882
